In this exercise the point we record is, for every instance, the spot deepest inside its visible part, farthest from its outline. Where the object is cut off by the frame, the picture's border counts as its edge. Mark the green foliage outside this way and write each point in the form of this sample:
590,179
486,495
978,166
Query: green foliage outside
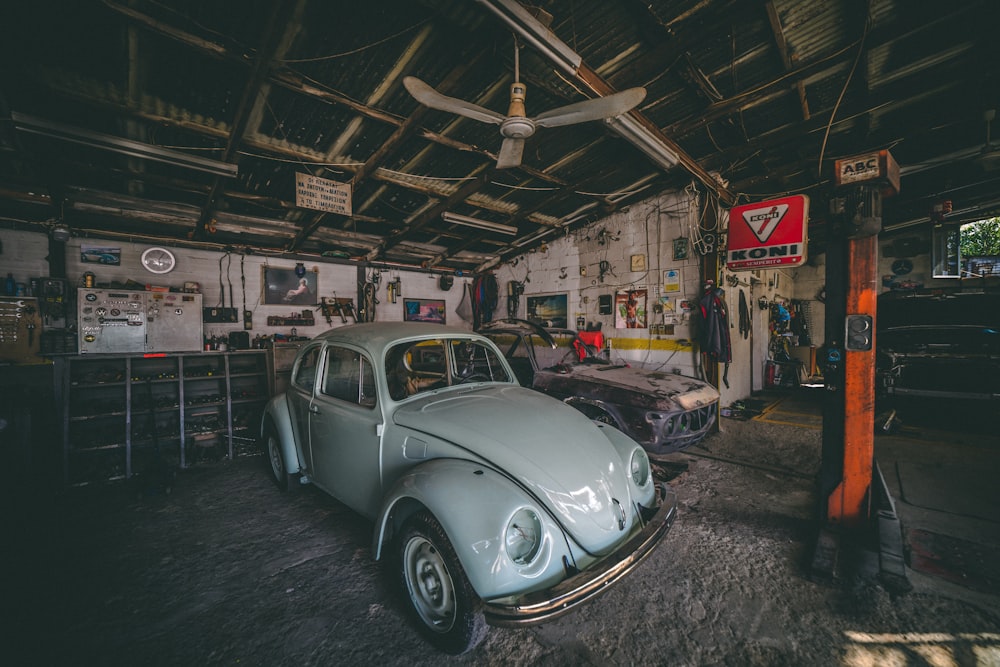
980,238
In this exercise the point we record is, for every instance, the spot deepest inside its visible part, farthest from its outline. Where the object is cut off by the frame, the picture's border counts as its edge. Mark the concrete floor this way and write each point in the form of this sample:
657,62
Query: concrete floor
940,466
214,574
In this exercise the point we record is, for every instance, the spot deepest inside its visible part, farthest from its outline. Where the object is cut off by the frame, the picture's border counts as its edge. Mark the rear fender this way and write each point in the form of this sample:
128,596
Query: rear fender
277,414
474,503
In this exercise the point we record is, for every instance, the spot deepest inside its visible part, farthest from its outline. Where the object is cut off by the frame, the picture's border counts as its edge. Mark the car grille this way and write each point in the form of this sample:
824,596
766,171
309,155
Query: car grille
683,429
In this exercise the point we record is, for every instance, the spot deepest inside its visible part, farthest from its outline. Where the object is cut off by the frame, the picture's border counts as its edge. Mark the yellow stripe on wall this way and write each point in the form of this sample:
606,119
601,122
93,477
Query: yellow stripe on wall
665,344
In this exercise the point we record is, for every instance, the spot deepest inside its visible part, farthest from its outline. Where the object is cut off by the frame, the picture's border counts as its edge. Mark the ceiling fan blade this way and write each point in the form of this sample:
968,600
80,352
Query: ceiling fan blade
595,109
429,97
511,151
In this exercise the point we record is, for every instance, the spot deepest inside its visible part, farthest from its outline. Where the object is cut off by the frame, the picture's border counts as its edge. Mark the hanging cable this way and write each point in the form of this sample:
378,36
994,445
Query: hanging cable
744,316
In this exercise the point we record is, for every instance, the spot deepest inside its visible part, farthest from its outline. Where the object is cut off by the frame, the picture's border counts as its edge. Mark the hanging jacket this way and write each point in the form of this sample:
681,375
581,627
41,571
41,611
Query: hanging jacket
713,335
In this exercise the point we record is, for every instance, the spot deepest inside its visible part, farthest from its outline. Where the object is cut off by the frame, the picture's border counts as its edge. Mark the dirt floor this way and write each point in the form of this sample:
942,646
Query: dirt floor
227,570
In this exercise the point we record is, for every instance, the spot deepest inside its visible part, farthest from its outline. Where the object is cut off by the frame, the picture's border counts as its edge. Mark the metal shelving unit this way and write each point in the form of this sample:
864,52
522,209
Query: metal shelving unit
119,411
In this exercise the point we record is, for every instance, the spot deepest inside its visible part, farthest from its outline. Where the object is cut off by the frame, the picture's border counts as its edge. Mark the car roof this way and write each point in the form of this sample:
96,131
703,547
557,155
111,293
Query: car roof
377,336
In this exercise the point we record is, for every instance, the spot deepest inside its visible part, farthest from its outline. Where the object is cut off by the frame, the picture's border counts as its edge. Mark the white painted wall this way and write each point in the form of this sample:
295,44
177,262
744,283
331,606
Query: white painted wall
24,255
647,228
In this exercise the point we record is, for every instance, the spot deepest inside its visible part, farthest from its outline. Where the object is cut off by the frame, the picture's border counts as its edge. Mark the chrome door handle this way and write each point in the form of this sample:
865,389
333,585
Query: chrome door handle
314,409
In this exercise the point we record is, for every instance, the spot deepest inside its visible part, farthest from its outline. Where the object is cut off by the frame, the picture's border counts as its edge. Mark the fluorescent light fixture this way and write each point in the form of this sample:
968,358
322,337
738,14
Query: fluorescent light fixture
456,219
533,32
642,138
115,144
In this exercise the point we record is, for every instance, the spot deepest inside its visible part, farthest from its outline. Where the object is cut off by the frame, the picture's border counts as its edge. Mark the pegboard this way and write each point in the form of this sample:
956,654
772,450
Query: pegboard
20,330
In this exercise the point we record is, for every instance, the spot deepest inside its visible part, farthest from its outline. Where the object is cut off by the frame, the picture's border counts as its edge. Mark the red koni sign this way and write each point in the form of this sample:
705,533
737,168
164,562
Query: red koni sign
768,233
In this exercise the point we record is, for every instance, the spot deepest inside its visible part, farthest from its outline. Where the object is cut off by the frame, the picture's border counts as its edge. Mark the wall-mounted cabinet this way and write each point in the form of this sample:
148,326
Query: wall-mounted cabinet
119,412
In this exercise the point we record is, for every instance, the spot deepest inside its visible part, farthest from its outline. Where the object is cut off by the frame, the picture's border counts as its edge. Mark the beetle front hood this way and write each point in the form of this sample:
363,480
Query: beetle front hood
553,450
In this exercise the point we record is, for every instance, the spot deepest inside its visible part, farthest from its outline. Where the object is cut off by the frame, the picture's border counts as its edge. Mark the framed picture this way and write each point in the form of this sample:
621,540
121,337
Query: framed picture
672,280
549,310
424,310
637,262
680,247
90,254
282,287
630,309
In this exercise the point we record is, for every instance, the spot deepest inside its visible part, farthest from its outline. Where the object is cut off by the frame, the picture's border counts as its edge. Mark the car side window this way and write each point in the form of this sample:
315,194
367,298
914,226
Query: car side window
349,377
305,374
412,368
477,362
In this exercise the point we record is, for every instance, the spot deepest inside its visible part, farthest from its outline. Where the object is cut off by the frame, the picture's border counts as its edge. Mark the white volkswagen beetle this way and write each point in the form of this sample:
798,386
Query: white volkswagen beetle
500,505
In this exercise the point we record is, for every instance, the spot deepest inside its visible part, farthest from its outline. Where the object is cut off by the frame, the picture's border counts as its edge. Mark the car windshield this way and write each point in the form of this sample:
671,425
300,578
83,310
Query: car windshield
545,355
413,367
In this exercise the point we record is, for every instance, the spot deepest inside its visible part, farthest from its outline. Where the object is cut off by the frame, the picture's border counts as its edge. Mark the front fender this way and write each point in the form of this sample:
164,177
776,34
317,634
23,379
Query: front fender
474,503
277,414
625,445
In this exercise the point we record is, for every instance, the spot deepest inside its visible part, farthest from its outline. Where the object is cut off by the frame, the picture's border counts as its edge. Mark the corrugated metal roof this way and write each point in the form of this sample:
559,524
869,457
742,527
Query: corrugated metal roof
745,89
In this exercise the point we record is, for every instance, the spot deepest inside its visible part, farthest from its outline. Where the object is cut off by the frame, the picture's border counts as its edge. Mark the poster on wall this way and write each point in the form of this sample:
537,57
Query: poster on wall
630,309
672,280
424,310
287,287
91,254
549,310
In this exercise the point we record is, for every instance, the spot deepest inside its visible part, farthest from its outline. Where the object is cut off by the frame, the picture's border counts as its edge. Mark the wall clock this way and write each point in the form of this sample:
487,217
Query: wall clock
158,260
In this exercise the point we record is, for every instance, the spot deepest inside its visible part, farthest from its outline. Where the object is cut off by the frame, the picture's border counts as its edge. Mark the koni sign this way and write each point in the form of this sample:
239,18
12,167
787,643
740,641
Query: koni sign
768,233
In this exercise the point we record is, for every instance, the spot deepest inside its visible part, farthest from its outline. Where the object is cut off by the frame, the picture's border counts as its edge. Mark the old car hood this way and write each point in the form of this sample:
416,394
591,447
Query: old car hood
555,452
688,393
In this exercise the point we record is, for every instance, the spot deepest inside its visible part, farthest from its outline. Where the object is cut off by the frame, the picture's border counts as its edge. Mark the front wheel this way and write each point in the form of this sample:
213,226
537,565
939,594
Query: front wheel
448,613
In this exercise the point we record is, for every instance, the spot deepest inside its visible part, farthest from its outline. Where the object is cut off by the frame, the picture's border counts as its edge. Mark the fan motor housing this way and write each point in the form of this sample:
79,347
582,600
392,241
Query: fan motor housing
517,128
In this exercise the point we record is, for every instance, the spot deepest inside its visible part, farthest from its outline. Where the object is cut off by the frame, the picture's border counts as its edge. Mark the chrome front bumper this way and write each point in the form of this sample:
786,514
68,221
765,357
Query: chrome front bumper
578,589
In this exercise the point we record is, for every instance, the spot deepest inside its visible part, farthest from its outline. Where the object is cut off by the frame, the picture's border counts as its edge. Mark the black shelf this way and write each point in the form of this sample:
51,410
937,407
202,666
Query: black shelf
170,394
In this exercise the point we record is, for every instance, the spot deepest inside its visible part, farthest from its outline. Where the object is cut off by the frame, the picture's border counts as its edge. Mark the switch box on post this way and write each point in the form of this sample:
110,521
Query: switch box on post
859,334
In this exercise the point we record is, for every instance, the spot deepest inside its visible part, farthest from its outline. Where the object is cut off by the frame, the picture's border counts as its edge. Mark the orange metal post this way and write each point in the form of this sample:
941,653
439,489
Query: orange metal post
849,504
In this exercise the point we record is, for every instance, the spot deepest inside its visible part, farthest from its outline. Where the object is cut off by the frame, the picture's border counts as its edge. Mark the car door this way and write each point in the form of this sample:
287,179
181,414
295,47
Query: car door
300,398
344,430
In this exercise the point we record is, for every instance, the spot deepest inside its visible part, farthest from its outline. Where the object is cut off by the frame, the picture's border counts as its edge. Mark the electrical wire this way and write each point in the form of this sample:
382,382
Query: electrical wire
850,75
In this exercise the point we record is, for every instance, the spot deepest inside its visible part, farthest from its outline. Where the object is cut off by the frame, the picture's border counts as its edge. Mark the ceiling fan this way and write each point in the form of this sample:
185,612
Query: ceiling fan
515,127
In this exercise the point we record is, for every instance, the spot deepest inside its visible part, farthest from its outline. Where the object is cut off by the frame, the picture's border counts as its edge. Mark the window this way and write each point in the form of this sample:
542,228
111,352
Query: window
415,367
475,362
349,377
945,255
305,373
547,357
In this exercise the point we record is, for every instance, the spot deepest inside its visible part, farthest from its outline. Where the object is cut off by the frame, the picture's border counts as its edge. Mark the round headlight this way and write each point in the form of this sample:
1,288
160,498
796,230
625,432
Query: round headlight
523,536
639,467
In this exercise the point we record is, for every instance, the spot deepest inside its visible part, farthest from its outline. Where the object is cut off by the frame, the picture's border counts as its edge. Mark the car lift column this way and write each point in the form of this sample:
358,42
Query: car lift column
849,503
849,486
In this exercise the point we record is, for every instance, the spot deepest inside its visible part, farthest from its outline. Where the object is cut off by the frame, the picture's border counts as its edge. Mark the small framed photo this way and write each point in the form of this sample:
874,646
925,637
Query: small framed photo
549,310
680,247
638,263
424,310
672,280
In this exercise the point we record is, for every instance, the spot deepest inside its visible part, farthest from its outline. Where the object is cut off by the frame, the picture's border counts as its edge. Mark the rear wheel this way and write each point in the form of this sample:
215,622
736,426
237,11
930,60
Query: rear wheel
276,458
446,609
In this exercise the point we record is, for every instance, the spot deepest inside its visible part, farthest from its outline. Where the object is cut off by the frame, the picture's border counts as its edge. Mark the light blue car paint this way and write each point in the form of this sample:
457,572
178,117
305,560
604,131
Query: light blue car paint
473,454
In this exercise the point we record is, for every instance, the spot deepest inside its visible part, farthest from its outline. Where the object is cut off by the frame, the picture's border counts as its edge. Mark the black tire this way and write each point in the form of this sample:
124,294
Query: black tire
438,596
277,464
